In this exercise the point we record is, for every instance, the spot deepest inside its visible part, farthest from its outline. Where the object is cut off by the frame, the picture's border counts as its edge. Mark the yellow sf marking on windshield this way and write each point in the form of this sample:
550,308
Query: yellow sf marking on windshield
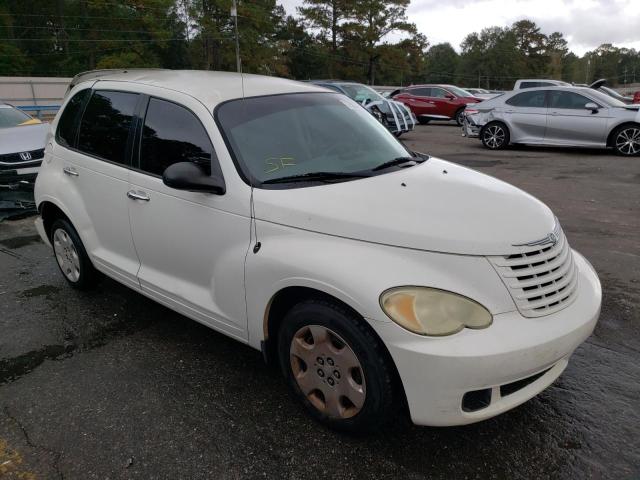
277,163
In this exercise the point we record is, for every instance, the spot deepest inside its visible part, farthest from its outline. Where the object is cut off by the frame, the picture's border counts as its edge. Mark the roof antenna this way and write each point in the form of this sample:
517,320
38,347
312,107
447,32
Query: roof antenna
234,14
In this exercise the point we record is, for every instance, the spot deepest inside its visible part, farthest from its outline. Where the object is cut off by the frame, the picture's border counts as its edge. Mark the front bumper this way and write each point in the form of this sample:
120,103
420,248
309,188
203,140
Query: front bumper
437,372
19,177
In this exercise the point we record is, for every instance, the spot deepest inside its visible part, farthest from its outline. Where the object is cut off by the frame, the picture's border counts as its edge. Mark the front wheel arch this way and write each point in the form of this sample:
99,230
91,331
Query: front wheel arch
284,300
614,131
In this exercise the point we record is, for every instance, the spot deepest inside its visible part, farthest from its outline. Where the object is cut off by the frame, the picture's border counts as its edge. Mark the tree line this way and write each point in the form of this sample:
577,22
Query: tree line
371,41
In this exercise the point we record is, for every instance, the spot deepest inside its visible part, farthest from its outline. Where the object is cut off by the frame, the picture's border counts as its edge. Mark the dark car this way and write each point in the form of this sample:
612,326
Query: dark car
436,102
394,115
601,85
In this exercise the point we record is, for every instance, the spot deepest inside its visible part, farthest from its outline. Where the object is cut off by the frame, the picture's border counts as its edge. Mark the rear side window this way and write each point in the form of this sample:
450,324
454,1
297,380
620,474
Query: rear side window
568,100
420,92
106,123
68,123
528,99
173,134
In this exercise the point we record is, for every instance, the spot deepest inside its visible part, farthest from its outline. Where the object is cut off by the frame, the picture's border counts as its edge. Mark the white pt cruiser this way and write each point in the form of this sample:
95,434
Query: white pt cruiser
285,216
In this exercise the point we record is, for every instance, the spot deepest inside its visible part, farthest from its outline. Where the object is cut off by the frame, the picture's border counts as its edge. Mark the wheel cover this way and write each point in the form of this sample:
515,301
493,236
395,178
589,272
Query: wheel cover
66,255
494,136
327,371
628,141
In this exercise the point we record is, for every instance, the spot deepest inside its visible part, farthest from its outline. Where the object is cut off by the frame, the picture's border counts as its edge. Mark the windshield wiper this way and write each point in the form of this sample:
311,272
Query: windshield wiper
316,176
397,161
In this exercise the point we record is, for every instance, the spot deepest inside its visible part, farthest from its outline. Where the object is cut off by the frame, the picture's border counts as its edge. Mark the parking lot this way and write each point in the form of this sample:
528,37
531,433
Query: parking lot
108,384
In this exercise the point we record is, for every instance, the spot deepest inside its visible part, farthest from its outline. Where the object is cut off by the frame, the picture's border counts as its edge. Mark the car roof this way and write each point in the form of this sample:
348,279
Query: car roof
211,88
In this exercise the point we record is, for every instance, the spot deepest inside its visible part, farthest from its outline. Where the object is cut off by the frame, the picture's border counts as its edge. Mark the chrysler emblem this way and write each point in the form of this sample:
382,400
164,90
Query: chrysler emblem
25,156
552,238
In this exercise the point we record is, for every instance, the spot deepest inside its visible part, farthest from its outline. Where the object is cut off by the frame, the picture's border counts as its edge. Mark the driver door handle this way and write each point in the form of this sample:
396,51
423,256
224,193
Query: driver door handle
132,194
70,171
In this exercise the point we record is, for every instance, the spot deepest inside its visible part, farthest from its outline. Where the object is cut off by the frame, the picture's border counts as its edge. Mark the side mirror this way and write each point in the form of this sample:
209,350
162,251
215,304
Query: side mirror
592,106
191,177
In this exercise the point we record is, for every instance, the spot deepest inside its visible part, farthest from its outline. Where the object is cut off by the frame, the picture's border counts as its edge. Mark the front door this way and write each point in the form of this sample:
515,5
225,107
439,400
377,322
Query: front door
191,247
570,123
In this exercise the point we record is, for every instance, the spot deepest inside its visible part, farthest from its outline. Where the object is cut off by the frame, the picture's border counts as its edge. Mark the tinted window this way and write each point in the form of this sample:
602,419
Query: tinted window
173,134
105,125
68,123
420,92
438,93
567,100
528,99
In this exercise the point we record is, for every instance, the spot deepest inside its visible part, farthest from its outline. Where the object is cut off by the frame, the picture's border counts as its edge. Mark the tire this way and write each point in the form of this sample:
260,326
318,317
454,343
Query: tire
423,121
626,140
71,256
495,136
398,134
357,399
459,117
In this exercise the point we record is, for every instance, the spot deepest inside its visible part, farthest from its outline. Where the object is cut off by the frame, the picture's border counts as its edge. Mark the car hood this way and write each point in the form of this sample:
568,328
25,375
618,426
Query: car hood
23,138
436,206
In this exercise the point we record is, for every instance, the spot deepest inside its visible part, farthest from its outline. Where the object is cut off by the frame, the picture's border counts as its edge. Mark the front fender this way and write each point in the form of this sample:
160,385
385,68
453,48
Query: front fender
357,272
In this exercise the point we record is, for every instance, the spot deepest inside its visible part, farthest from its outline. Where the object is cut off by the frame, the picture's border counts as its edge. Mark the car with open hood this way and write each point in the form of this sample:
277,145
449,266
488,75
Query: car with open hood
287,217
22,141
394,115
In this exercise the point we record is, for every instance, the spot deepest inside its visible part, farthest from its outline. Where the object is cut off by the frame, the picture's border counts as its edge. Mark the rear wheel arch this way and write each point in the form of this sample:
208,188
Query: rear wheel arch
50,212
285,299
615,129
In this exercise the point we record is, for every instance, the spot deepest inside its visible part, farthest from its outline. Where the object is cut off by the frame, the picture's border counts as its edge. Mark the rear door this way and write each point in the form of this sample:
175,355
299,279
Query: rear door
95,174
570,123
419,101
526,116
191,245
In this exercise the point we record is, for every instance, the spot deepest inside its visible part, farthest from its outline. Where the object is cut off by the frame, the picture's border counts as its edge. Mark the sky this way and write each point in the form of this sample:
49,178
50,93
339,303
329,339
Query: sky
585,23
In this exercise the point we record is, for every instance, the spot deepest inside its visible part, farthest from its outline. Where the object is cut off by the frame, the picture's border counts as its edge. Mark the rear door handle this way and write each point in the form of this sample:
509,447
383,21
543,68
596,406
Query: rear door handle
70,171
132,194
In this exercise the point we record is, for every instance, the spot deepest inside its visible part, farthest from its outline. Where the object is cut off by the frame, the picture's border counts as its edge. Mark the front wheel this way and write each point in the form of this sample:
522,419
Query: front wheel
423,121
626,140
459,118
336,366
495,136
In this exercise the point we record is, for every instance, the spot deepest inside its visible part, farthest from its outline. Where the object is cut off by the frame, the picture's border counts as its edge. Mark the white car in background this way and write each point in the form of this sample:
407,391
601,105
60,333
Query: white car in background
286,217
22,141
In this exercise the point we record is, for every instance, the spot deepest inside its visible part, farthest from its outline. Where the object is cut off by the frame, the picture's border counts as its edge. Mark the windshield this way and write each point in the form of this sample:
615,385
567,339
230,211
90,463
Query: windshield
360,93
12,117
606,99
459,92
295,134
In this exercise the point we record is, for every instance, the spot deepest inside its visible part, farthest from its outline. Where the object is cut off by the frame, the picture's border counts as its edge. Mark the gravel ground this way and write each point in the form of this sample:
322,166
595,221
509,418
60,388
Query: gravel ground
109,384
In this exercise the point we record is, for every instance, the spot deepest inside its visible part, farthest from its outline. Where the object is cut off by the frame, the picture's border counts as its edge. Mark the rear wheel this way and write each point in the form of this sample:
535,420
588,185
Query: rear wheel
72,258
626,140
335,366
495,136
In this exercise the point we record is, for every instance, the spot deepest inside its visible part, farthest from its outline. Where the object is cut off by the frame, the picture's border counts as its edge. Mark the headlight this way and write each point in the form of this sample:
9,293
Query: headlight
429,311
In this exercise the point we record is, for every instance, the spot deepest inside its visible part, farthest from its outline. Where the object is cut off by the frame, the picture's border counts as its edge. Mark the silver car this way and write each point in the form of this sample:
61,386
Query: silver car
555,116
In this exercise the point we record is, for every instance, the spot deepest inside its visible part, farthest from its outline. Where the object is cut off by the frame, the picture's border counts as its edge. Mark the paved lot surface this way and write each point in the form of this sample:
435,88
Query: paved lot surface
110,385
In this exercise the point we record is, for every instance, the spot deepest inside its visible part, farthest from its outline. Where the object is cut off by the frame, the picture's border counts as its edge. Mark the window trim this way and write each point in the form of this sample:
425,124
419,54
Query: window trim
137,142
128,144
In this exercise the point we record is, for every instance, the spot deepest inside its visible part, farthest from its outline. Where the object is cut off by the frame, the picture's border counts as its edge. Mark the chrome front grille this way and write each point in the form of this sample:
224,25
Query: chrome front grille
541,280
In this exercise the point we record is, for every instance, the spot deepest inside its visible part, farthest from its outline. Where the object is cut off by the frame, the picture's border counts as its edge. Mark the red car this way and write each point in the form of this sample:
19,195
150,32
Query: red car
636,97
435,102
